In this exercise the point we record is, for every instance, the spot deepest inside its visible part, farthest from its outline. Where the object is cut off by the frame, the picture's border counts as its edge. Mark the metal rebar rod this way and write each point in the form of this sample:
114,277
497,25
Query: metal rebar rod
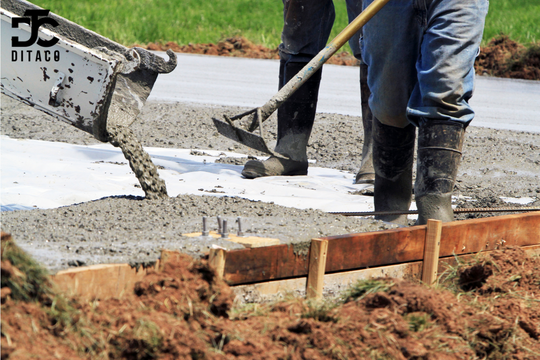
225,231
456,211
205,231
239,232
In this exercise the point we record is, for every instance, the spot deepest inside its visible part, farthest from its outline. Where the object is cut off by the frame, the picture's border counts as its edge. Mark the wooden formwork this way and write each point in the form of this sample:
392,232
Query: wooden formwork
333,260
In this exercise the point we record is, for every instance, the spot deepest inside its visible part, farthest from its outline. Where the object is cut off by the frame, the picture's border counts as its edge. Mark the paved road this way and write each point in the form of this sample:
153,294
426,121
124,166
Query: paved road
499,103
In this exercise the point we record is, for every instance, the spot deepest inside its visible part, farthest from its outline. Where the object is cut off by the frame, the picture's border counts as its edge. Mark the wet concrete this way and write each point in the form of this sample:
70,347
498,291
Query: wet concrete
140,162
134,230
496,163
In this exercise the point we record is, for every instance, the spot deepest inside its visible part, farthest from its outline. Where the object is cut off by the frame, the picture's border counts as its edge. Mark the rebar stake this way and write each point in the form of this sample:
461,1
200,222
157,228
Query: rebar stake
219,224
225,233
240,232
205,231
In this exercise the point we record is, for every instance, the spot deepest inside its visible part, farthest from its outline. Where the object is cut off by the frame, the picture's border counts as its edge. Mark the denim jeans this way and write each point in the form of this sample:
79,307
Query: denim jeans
420,55
307,26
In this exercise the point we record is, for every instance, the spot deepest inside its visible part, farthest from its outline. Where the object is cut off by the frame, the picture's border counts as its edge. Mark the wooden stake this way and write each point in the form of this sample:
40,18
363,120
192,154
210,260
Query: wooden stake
431,251
217,261
317,265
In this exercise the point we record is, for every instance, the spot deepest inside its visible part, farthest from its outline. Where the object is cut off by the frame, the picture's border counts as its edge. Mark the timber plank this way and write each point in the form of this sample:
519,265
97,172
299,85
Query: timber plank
216,259
99,281
353,251
264,263
317,264
356,251
471,236
337,282
431,251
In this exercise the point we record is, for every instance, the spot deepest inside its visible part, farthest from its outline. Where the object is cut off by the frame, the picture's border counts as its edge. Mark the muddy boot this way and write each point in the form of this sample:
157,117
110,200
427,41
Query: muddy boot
295,121
393,155
366,174
439,153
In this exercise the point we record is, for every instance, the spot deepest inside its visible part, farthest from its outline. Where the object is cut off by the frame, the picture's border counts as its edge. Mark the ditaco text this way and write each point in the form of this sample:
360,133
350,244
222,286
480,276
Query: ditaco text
35,55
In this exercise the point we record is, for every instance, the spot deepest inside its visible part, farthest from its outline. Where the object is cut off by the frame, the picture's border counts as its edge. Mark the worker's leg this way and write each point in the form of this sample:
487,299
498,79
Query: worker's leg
306,29
390,46
295,121
366,174
446,63
439,104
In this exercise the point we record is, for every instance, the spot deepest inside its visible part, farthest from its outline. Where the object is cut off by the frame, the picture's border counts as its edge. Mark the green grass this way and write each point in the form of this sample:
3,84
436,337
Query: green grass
185,21
194,21
182,21
362,288
29,280
518,19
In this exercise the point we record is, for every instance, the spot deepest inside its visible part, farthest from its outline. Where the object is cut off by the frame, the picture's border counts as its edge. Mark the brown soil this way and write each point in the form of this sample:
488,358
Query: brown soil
502,57
489,309
240,47
505,58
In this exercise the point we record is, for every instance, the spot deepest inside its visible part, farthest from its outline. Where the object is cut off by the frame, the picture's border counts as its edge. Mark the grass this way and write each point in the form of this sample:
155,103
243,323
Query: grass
182,21
518,19
360,289
28,280
190,21
186,21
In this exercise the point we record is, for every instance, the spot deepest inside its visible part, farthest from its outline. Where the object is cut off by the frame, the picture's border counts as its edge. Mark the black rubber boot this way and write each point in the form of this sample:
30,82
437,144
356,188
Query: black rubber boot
393,156
439,153
366,174
295,121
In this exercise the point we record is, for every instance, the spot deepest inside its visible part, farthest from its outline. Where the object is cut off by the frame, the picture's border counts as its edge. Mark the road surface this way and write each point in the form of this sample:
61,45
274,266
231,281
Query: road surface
499,103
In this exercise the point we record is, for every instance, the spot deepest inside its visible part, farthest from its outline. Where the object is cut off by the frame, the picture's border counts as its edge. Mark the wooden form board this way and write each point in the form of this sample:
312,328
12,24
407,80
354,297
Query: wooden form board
356,251
99,281
340,281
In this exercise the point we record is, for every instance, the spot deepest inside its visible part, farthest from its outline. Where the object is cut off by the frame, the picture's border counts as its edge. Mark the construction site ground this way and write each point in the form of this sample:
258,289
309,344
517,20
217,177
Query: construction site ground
103,231
184,312
486,309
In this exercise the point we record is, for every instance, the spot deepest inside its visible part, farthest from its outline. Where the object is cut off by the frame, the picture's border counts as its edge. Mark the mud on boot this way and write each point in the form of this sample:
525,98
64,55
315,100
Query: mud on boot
439,152
274,166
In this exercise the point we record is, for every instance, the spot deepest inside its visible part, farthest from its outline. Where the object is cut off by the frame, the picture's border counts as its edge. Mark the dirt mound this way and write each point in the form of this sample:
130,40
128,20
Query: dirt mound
170,315
235,46
185,312
240,47
502,57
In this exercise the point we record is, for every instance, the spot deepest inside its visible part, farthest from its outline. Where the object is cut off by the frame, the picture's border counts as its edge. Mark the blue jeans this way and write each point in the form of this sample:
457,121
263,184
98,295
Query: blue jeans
420,55
307,26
